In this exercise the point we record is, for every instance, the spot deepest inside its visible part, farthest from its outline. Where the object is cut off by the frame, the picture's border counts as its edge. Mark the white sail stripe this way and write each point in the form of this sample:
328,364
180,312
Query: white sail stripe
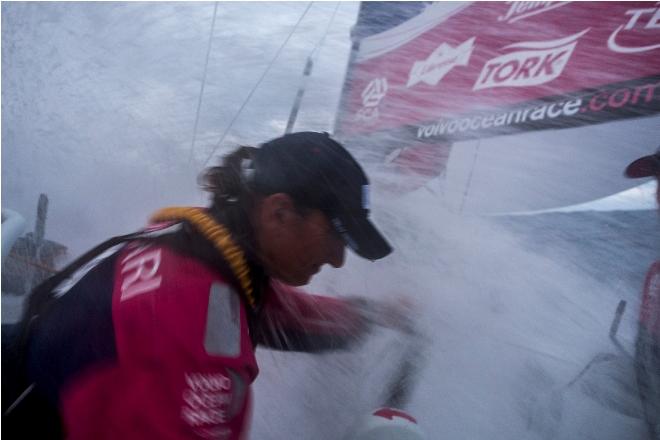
379,44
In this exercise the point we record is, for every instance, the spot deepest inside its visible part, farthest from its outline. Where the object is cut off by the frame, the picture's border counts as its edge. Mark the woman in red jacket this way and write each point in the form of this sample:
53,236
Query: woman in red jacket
152,335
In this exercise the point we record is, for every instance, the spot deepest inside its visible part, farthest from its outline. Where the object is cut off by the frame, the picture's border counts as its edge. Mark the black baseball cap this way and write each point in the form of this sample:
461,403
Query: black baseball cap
318,172
646,166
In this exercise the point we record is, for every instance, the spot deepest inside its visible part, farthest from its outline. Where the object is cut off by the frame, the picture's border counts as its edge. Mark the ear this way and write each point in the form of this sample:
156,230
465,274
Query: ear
277,210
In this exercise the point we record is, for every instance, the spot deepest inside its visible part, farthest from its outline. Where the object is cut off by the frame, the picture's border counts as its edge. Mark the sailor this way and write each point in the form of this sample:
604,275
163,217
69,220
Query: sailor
647,347
646,166
153,334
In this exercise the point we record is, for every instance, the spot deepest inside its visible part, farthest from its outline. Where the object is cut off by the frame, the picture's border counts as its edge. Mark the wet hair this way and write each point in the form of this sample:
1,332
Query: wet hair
233,194
232,198
232,187
227,181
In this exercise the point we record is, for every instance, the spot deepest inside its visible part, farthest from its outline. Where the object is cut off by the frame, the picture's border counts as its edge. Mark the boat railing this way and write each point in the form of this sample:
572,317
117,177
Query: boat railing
13,225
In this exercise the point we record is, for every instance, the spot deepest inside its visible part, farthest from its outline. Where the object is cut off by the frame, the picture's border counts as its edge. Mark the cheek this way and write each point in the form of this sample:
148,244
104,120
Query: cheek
289,253
297,249
292,255
300,253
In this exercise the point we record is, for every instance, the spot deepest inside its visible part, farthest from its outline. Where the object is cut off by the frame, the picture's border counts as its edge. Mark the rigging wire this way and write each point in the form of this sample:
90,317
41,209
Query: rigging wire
279,51
201,90
469,183
325,34
306,74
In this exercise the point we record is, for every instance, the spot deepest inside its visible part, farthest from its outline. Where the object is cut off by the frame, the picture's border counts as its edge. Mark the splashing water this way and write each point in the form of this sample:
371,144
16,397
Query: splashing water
98,109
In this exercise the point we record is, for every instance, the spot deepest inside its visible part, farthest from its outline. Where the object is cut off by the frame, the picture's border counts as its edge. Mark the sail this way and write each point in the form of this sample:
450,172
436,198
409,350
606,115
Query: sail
451,73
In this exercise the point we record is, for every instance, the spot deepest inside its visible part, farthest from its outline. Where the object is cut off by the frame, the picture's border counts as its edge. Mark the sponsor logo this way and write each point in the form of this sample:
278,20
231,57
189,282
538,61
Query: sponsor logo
449,127
365,197
537,63
372,95
636,98
646,18
440,62
206,399
622,97
139,272
519,10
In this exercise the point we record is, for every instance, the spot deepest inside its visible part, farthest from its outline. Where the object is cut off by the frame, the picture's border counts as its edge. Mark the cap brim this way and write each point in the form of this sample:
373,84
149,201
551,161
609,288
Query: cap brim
646,166
363,238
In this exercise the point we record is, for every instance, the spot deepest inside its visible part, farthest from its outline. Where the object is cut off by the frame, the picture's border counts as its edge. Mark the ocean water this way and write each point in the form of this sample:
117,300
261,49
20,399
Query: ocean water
514,309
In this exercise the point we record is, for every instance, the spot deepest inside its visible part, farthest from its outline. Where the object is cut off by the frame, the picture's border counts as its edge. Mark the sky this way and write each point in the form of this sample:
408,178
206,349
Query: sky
100,100
103,109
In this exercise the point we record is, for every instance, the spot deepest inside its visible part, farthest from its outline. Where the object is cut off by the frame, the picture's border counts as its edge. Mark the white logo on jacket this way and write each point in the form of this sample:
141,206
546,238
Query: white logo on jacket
540,62
206,398
139,270
441,61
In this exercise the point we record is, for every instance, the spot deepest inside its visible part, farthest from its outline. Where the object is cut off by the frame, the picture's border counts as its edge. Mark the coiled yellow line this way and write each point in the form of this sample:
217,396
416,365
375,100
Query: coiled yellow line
219,236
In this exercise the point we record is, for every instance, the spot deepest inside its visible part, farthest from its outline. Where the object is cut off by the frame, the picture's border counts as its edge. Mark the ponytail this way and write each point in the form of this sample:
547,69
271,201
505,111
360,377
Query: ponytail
227,182
232,194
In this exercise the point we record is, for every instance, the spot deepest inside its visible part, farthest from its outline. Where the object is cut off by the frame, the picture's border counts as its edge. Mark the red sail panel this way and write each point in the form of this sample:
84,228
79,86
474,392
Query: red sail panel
491,56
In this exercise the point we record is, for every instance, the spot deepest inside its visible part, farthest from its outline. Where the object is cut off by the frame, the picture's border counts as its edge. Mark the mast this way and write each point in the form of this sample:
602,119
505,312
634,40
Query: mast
301,91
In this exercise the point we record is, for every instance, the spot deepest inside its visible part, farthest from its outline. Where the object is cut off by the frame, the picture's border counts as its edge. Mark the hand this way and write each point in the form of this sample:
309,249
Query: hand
399,314
396,314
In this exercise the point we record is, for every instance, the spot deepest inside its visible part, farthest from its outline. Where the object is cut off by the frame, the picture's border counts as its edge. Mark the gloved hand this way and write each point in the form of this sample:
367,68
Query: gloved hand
396,314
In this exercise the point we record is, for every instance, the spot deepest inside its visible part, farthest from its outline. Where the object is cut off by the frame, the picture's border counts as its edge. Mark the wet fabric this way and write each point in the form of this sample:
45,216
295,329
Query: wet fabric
156,340
647,350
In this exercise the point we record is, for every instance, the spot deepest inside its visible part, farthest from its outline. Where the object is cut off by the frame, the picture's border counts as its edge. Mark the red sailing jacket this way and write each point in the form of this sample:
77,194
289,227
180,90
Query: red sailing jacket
649,316
647,350
183,339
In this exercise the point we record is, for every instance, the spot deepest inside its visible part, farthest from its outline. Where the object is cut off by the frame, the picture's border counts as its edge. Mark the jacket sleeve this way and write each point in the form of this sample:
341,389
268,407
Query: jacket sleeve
294,320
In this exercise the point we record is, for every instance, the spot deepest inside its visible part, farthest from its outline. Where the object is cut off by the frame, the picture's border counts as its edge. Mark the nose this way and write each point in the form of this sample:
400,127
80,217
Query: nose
336,252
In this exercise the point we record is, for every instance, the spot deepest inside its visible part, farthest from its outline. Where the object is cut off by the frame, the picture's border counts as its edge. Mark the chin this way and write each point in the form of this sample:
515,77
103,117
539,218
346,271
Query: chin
299,280
295,279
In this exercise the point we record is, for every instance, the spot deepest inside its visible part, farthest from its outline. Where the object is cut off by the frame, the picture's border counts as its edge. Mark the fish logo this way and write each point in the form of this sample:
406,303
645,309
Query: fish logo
440,63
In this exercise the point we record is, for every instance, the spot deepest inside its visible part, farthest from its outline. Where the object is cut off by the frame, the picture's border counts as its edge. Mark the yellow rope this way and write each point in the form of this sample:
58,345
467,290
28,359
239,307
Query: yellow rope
219,236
